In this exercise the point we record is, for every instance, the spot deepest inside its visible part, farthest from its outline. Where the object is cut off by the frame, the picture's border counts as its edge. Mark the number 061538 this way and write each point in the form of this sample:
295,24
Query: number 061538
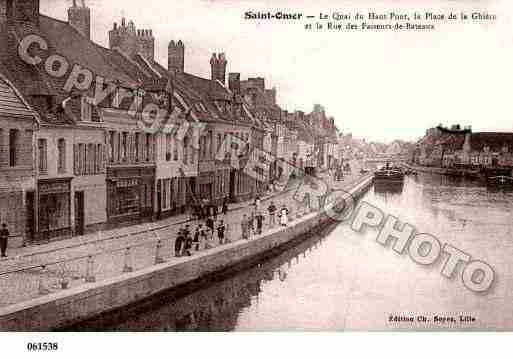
42,346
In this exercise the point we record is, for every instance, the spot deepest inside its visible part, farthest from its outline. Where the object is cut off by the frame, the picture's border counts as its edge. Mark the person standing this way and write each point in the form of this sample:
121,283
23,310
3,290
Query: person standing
284,216
179,243
256,205
214,211
245,227
259,223
187,243
4,238
221,228
251,224
210,225
197,235
272,214
224,208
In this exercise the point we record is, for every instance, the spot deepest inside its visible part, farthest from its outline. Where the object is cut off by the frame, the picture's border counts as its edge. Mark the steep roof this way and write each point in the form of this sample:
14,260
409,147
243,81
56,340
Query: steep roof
12,105
203,99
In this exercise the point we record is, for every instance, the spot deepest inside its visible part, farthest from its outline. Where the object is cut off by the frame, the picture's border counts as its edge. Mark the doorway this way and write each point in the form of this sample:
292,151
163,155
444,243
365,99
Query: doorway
232,185
79,213
30,218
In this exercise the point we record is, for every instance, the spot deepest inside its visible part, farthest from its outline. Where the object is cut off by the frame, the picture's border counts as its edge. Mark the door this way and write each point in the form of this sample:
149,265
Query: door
232,185
79,213
30,218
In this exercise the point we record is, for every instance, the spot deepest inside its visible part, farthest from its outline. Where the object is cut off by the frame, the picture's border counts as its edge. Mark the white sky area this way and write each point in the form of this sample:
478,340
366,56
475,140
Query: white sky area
378,85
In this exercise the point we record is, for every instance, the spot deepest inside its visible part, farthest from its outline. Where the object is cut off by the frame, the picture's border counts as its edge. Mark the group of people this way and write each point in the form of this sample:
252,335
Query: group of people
202,238
253,224
211,230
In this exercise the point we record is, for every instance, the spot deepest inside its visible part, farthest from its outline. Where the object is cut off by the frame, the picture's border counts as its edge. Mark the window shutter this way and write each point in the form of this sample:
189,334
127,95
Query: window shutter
75,159
103,157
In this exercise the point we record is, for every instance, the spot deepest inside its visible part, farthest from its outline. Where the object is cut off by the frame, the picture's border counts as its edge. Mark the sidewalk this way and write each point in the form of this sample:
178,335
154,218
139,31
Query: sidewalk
19,253
22,276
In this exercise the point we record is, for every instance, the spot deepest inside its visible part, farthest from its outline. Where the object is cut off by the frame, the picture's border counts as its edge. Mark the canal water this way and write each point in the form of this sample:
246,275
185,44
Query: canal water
341,280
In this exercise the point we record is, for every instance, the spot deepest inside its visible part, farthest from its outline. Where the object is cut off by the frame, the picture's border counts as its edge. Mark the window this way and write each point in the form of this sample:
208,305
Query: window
13,147
175,151
124,146
99,158
219,141
137,141
111,146
185,150
61,161
43,165
91,156
168,147
210,147
86,109
148,147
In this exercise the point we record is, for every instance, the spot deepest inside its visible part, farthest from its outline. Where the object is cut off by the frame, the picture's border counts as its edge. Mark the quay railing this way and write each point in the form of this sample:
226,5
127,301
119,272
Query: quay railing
39,279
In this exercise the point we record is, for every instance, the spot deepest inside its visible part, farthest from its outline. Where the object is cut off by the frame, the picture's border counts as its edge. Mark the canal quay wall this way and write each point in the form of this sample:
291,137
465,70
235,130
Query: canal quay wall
71,306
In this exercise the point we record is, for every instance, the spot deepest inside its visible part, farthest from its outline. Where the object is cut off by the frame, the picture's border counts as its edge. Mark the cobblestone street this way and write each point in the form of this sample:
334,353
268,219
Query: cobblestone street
22,276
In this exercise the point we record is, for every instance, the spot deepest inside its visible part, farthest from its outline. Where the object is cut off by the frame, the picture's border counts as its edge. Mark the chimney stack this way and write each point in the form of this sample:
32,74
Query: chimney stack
80,18
218,67
234,82
176,57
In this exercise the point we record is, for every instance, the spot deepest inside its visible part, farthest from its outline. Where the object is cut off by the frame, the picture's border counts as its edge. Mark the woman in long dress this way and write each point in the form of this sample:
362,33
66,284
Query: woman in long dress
284,216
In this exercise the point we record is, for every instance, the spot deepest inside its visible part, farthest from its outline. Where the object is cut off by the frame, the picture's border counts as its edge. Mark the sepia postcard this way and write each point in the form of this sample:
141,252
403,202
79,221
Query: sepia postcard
255,166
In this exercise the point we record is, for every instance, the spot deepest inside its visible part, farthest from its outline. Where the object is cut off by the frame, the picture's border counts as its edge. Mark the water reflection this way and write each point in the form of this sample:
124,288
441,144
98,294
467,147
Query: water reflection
384,188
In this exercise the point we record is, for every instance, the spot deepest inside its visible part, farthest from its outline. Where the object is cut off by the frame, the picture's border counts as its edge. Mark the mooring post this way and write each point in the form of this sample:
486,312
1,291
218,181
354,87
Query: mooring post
90,277
158,255
127,267
42,288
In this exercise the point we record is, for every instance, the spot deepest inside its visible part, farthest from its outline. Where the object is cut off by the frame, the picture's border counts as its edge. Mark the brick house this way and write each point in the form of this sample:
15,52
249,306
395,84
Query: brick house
18,124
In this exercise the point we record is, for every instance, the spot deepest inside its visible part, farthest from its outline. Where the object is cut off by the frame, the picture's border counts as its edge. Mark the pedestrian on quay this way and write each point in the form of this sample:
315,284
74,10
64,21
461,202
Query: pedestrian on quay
214,211
210,225
259,223
245,227
221,229
203,237
284,216
4,238
272,214
179,242
187,243
251,224
197,235
256,205
224,208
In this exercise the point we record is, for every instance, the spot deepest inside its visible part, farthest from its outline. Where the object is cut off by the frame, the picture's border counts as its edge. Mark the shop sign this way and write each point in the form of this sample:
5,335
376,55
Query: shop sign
124,183
53,187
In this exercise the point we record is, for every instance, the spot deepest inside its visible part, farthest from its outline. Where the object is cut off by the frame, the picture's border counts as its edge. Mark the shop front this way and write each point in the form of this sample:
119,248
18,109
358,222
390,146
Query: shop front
54,203
130,194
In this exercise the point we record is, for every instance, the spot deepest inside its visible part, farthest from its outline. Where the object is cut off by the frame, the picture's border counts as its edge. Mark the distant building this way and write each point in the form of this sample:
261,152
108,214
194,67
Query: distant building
454,146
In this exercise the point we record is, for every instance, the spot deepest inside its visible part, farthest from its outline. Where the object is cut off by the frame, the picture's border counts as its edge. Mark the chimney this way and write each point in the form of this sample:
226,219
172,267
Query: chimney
176,57
80,18
234,82
22,11
218,67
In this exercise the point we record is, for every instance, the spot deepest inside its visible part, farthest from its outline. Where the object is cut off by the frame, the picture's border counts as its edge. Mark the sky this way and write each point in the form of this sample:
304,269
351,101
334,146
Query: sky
379,86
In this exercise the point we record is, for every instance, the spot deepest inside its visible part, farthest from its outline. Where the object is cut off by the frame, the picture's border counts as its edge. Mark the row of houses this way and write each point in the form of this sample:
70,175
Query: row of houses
460,147
73,162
